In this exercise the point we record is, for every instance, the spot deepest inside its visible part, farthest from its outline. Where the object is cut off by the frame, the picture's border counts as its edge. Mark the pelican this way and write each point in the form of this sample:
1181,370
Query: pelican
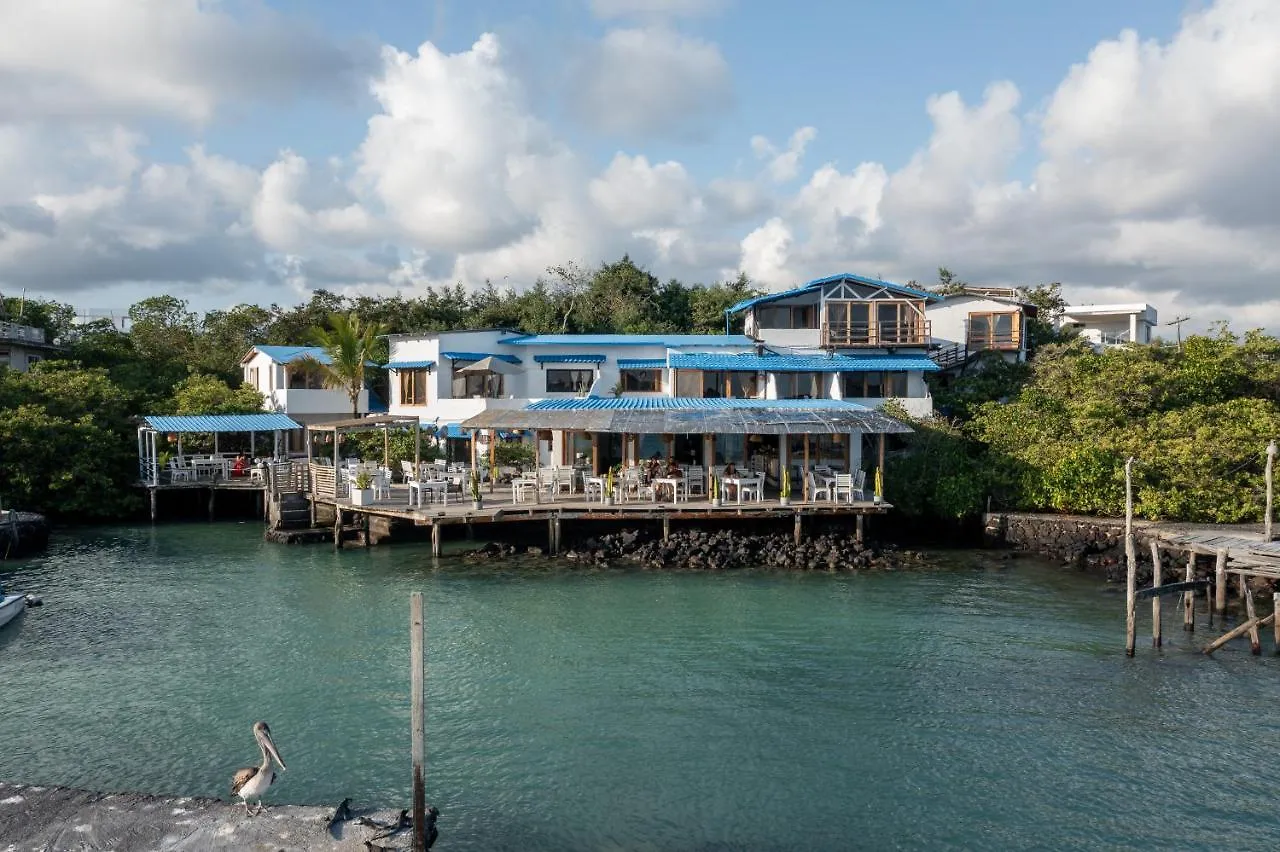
252,781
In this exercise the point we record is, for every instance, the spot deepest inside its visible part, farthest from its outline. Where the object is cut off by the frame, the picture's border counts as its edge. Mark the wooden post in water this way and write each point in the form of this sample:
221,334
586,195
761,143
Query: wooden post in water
1266,518
798,531
1131,560
1239,630
213,493
435,540
153,505
1275,601
1220,583
1255,641
666,527
858,528
1157,639
366,528
337,524
418,719
1189,598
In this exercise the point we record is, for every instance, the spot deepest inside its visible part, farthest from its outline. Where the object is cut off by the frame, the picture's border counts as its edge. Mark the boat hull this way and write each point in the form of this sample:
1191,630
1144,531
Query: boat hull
10,607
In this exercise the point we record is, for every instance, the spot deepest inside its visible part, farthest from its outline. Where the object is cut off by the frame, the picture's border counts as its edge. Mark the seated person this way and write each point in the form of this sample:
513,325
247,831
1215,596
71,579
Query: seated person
673,471
241,466
730,489
654,468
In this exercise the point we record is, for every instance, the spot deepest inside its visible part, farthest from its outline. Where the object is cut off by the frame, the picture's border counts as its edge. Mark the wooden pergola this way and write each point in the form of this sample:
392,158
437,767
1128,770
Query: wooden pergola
385,422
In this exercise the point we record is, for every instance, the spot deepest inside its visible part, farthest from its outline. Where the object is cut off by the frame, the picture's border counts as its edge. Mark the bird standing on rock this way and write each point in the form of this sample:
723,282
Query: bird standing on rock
252,781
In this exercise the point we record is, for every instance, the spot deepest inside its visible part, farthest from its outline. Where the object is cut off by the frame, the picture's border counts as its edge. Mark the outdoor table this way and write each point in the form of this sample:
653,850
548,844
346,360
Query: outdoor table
521,483
738,481
417,486
594,480
677,485
828,482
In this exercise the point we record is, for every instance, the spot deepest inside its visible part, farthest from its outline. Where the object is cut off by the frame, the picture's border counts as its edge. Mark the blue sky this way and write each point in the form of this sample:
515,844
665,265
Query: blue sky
255,150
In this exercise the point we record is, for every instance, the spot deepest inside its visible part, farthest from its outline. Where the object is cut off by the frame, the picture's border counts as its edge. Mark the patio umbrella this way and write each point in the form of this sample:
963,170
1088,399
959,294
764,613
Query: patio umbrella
488,364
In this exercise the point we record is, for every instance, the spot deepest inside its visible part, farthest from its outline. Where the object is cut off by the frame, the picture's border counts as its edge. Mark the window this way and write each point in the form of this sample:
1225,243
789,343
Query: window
880,322
802,386
642,381
689,383
251,376
994,330
413,387
874,385
570,381
787,316
306,377
474,385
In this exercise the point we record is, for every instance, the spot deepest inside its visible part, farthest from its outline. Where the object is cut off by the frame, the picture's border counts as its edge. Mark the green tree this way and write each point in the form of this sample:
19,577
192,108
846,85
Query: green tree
204,394
350,344
225,337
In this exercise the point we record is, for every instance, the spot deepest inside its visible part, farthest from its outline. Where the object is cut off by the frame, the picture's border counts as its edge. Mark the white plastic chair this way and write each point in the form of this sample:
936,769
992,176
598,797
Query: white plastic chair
696,480
844,485
817,491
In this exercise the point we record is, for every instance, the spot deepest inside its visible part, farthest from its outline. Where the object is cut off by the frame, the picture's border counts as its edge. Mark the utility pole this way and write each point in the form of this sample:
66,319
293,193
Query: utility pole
1178,322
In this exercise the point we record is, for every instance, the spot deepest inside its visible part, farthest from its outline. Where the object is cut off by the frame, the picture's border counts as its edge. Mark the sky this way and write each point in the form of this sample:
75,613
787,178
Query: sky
228,151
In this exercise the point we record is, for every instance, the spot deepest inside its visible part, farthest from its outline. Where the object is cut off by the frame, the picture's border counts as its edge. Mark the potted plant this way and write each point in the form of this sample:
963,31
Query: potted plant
714,491
878,495
784,492
607,497
477,500
362,489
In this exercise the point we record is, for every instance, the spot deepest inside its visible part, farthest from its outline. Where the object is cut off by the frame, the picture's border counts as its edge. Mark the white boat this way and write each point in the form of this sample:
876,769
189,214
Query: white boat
10,606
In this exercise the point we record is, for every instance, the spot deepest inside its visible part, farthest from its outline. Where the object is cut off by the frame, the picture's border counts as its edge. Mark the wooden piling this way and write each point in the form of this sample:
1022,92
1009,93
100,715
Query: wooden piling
1239,630
1189,598
1266,518
418,718
798,531
153,505
1220,583
213,494
1275,601
366,528
436,546
666,527
337,527
859,532
1255,641
555,531
1131,559
1157,639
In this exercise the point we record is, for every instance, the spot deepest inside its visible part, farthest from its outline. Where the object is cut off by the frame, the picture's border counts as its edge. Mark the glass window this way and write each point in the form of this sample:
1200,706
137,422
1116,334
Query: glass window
895,384
874,385
772,316
744,385
305,377
642,381
413,387
473,385
801,386
689,383
570,381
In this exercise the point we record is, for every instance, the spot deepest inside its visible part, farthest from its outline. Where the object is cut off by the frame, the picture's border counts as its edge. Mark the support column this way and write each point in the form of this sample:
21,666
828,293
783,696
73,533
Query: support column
1131,560
1266,518
436,544
1189,598
551,536
1220,583
213,493
880,462
859,531
386,447
1255,642
666,527
798,532
493,457
1157,638
804,474
595,453
337,527
153,509
417,444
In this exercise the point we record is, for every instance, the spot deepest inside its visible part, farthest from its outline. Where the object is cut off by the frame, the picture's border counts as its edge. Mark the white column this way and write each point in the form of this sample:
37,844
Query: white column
855,439
1133,328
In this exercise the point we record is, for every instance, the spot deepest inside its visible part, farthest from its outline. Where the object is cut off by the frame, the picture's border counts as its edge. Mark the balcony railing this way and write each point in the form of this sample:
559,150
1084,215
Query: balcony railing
21,333
994,340
836,335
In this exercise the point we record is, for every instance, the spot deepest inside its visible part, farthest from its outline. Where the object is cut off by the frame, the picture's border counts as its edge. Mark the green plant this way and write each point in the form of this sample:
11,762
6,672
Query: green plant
785,491
513,454
364,480
715,487
475,486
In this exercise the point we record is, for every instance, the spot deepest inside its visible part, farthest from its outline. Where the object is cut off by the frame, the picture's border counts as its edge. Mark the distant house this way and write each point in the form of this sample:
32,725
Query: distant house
23,345
980,319
1111,325
291,385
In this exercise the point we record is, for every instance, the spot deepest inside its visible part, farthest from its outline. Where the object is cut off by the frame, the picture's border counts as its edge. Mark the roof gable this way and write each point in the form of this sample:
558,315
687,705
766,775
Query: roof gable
843,277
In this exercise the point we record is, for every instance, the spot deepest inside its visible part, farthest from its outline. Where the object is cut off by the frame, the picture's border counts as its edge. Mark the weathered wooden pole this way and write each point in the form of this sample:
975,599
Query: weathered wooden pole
1189,598
1266,518
805,472
435,540
418,719
1255,641
799,532
666,527
493,458
386,447
153,505
1275,602
366,529
1157,639
859,531
1220,583
417,446
1131,559
1239,630
213,494
337,526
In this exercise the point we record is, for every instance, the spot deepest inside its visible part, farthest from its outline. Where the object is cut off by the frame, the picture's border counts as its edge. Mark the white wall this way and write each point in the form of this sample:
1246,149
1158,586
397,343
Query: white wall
272,384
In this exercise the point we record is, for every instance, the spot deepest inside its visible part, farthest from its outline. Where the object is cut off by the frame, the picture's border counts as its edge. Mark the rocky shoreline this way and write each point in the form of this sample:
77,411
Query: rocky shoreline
720,550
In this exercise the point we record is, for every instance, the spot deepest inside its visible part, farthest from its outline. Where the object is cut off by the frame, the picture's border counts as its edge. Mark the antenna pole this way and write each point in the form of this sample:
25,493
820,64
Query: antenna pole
1178,322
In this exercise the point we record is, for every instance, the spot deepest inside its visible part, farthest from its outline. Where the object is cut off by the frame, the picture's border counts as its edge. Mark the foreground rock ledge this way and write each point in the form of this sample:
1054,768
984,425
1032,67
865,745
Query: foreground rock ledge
58,818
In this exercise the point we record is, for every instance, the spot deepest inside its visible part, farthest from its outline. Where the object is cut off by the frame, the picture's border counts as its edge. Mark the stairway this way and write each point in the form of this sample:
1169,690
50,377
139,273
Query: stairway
293,512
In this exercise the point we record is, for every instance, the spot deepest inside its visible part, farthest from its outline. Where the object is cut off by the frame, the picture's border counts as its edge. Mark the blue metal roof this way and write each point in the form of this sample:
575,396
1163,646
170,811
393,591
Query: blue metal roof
817,284
219,422
476,356
569,359
410,365
800,363
642,363
674,340
452,430
683,403
285,354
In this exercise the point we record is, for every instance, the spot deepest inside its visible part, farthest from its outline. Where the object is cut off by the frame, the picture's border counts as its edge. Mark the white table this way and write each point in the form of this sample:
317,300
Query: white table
677,485
756,482
431,486
521,485
597,482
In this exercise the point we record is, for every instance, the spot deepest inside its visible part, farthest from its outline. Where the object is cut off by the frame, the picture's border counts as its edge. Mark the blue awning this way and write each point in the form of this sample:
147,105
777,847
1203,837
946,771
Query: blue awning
569,359
476,356
642,363
410,365
801,363
219,422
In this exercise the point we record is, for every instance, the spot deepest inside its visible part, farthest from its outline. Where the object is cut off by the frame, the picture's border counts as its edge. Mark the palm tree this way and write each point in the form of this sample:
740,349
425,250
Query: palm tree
351,345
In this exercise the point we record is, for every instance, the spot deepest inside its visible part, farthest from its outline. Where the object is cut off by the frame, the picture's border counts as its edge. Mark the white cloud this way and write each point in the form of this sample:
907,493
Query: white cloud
651,81
634,194
656,8
78,59
784,165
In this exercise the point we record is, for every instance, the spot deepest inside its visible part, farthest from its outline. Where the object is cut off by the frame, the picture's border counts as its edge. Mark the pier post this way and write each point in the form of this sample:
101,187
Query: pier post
859,531
213,493
366,528
153,505
1255,641
337,527
436,545
1157,638
418,718
1266,518
1131,559
798,529
666,527
551,536
555,530
1220,583
1189,598
1275,602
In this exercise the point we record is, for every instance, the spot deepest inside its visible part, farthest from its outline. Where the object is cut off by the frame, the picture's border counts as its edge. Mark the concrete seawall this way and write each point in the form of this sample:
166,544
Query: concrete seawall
50,819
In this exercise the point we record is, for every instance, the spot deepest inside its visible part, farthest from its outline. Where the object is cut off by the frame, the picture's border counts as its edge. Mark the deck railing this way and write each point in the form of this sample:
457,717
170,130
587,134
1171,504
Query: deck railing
325,482
289,478
837,335
994,340
22,333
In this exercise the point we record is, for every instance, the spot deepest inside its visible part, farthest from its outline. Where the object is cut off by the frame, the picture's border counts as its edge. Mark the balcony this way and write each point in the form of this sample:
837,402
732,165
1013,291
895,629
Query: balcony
847,335
21,333
1005,341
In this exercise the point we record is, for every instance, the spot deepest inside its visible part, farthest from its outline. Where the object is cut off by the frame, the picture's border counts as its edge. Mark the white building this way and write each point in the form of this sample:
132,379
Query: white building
290,384
1111,325
981,319
22,346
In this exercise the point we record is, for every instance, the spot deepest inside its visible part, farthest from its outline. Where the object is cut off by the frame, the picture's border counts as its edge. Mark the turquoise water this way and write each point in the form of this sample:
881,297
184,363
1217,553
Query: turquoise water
975,708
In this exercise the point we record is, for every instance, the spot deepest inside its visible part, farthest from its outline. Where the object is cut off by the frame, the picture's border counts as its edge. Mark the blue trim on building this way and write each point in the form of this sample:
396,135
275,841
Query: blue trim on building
642,363
569,359
832,279
476,356
285,354
410,365
679,403
219,422
670,340
800,363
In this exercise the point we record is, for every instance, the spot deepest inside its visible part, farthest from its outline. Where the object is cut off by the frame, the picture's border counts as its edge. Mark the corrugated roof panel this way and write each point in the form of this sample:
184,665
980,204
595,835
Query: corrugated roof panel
800,363
476,356
831,279
679,403
569,359
285,354
410,365
266,422
671,340
641,363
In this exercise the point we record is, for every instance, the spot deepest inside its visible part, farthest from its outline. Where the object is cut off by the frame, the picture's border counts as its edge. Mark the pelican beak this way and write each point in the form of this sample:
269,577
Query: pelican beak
271,749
